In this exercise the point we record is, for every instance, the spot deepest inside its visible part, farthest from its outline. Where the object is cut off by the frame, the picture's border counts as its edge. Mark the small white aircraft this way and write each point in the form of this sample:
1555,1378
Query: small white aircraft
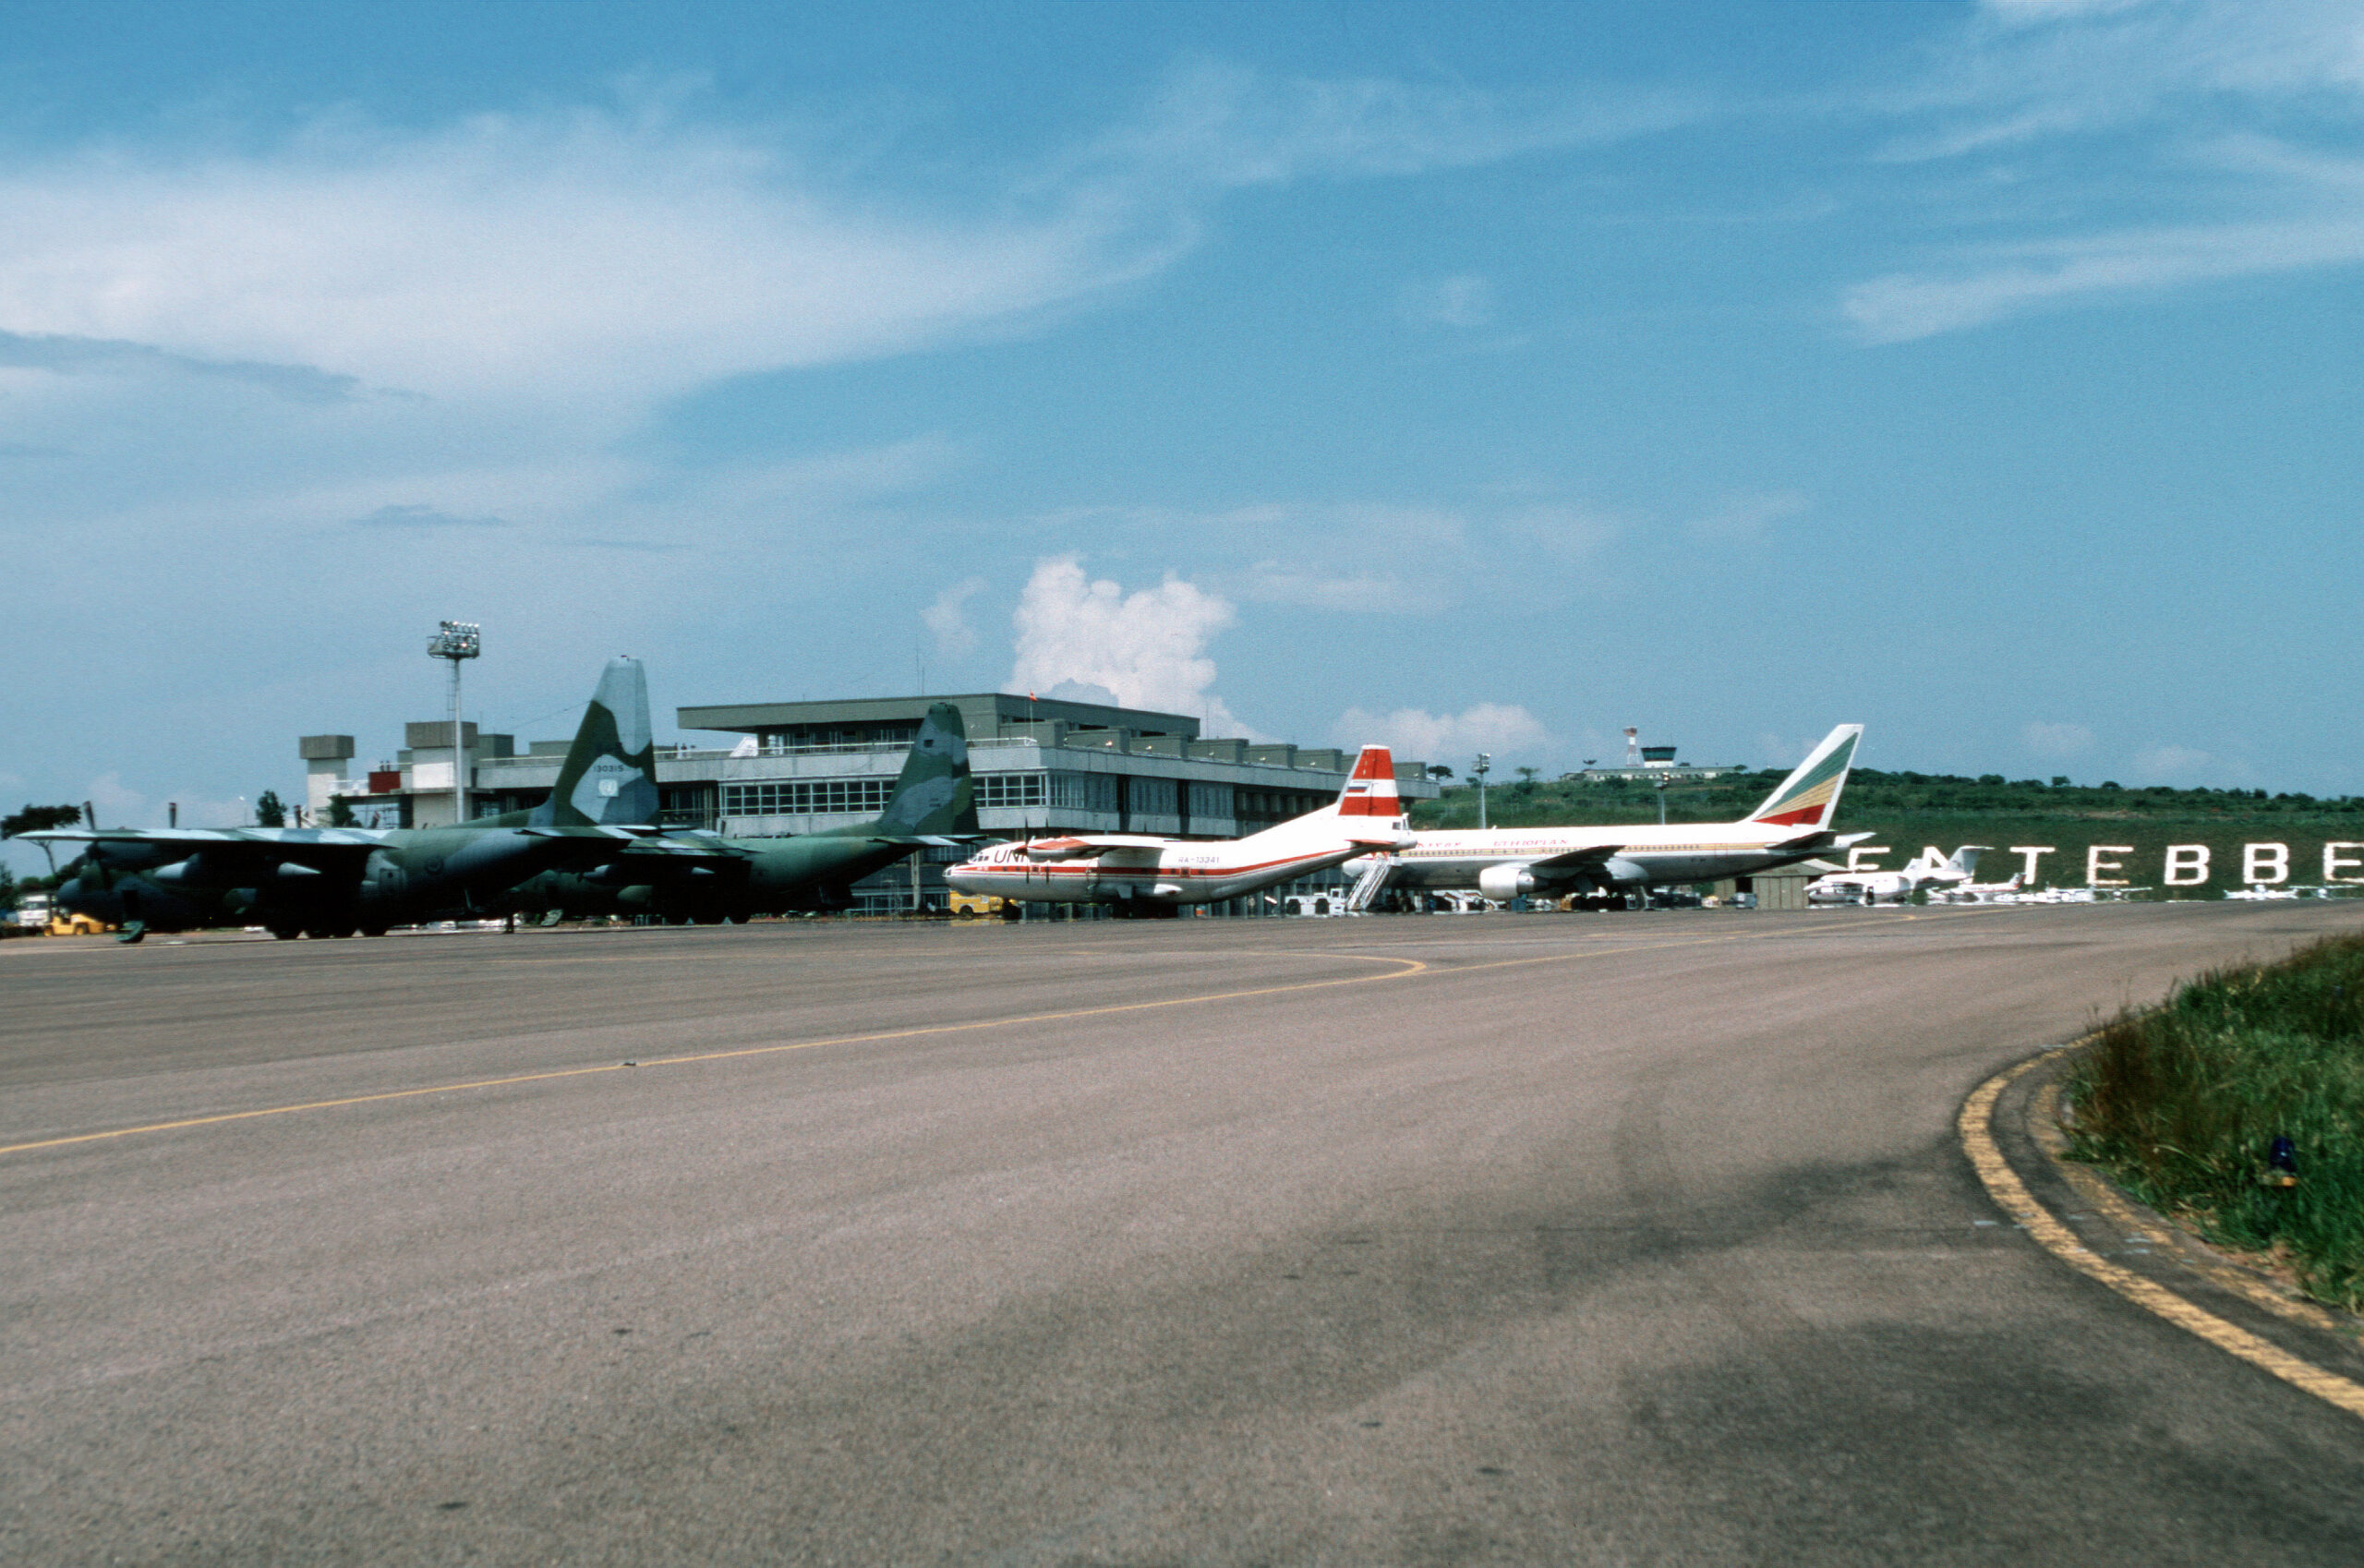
1926,870
1155,876
1982,892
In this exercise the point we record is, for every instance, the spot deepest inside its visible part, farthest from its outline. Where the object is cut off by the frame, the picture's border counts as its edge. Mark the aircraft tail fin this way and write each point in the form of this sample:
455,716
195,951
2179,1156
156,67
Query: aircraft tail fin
1367,805
934,793
1965,858
1808,800
1370,790
610,775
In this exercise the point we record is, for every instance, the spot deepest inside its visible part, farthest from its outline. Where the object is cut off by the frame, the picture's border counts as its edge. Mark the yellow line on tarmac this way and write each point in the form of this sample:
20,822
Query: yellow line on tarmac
2011,1195
1407,967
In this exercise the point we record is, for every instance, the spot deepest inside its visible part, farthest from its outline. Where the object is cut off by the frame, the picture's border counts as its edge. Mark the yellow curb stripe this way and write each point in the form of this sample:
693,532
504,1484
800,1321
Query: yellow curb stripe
2098,1195
2011,1195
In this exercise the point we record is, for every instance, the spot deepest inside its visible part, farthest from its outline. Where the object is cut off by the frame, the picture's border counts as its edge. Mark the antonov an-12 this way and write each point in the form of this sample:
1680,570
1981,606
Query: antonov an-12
1504,862
1153,876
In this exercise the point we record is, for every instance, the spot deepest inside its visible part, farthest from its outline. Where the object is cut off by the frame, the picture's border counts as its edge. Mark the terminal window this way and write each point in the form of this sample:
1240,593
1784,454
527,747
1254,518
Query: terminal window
1084,792
810,797
1012,788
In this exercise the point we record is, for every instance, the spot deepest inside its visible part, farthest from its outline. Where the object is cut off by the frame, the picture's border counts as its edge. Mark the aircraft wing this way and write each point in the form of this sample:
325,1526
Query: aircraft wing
321,848
639,844
1820,838
1089,846
1591,858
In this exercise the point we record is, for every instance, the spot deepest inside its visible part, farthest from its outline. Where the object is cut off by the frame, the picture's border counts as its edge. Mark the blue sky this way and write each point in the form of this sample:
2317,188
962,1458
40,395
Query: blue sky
1459,375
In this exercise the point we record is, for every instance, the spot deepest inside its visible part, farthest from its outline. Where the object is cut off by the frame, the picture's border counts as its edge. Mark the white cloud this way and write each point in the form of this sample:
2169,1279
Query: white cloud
117,804
2236,119
1273,581
2171,763
1417,735
1747,519
518,255
1905,305
1570,533
1223,125
1466,300
947,619
2057,742
417,516
1148,647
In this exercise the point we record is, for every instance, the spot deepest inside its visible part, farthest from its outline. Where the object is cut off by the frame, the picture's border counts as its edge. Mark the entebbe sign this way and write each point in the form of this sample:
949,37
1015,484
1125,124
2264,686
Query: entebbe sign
2235,863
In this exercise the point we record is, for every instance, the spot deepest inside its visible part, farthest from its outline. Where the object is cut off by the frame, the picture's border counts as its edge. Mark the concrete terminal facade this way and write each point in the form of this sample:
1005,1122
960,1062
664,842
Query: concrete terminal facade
1044,765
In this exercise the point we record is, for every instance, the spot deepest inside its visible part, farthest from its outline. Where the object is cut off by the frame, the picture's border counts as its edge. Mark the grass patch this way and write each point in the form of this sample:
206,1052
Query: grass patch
2182,1105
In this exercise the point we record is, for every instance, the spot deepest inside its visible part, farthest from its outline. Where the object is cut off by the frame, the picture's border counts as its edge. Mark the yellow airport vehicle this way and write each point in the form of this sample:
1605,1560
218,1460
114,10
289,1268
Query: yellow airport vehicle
981,904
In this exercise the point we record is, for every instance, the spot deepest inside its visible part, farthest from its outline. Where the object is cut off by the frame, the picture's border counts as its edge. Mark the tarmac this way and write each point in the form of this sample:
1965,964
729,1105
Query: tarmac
1631,1239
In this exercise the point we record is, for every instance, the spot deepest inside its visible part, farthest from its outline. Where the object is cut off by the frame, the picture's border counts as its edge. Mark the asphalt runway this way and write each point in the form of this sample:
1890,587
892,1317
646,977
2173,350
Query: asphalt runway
1616,1239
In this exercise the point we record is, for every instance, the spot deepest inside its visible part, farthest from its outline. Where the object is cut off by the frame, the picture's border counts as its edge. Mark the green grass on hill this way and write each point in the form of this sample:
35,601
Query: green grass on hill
2182,1106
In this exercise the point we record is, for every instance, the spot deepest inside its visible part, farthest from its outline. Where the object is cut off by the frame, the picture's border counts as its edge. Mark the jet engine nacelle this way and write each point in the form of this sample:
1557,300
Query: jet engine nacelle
1503,883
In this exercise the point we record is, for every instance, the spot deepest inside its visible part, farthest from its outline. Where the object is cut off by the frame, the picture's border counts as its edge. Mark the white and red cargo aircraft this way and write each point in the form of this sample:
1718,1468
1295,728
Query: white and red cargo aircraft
1157,874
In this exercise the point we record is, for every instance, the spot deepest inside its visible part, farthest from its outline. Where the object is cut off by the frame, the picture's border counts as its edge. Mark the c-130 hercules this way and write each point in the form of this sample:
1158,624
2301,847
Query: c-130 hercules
335,881
702,876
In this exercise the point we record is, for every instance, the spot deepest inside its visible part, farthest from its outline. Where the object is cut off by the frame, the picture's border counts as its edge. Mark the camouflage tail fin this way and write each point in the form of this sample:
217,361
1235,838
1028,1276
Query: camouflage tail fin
609,779
936,793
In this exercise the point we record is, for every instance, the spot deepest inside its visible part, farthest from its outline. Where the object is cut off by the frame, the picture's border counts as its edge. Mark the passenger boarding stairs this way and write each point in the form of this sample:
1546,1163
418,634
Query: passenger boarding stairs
1366,891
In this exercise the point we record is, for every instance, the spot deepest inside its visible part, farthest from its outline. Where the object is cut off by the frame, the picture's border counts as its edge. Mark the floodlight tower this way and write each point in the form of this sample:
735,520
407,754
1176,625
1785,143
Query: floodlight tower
1477,770
458,640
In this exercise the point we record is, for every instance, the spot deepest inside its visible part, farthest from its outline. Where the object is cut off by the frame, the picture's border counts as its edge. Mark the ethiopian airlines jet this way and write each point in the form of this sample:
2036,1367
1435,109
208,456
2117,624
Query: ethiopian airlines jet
1792,824
1126,868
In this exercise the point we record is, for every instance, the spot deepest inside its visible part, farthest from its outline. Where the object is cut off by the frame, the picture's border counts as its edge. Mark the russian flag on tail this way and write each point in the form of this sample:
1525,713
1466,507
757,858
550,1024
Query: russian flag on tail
1370,790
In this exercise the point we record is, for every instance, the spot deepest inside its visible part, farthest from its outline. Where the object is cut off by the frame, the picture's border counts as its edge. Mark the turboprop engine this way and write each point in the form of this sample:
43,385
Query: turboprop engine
1503,883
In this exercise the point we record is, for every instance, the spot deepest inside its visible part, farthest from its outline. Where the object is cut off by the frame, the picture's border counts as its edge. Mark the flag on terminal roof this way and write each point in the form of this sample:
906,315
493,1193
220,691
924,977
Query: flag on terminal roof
1370,791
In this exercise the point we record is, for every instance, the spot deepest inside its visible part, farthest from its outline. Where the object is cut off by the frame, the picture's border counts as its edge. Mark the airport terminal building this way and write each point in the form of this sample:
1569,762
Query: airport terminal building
1042,766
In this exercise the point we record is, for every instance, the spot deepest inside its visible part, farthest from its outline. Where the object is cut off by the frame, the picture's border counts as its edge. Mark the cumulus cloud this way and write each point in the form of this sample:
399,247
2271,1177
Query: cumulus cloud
1415,734
1147,648
947,619
2056,740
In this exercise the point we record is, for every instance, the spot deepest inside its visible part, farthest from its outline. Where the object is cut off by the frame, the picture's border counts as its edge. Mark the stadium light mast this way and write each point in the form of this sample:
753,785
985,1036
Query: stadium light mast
1482,766
456,641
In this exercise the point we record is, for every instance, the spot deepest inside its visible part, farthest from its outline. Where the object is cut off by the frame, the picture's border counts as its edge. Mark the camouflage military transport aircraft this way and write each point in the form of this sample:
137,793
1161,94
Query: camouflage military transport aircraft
335,881
699,876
